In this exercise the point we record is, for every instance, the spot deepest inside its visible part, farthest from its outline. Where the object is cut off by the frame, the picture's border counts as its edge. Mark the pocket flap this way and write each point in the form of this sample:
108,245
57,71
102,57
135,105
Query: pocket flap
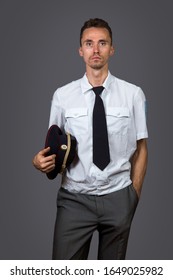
76,112
118,112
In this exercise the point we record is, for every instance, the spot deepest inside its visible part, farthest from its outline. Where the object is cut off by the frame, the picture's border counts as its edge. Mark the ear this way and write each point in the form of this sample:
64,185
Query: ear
112,50
80,51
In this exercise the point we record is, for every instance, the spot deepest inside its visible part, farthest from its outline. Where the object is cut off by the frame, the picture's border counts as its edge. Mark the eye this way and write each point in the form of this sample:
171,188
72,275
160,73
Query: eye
103,43
88,44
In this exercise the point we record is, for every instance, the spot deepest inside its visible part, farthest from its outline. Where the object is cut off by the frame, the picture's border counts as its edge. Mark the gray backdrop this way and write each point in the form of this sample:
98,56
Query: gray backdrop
39,52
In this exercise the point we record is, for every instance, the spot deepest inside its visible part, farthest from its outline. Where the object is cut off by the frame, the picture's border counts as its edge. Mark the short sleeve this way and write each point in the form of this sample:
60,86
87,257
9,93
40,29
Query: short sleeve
57,111
140,106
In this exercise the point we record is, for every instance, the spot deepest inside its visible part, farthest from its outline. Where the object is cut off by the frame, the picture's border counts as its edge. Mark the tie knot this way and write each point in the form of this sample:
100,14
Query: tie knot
98,90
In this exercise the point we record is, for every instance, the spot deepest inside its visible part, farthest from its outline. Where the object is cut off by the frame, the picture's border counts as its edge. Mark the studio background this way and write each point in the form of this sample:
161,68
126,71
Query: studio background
38,54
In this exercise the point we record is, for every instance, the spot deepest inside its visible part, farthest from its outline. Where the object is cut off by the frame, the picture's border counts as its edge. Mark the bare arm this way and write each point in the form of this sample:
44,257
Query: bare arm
139,165
43,162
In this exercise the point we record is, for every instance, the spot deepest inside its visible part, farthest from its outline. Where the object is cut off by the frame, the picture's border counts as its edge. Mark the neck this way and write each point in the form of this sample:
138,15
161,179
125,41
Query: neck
96,77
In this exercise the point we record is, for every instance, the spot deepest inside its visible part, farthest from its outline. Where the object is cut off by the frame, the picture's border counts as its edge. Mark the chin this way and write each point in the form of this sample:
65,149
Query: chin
96,66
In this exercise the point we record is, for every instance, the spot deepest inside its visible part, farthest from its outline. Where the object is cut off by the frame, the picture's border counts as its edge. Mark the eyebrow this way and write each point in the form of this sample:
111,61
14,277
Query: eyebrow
89,40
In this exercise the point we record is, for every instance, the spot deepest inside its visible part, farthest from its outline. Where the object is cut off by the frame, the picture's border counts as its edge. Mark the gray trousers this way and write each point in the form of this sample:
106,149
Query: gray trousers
79,215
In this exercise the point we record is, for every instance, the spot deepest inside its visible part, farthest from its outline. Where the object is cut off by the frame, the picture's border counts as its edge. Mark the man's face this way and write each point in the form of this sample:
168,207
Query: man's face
96,47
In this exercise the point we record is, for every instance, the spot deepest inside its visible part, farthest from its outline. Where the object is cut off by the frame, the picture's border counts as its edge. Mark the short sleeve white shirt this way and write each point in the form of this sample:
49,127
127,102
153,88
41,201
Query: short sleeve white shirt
125,108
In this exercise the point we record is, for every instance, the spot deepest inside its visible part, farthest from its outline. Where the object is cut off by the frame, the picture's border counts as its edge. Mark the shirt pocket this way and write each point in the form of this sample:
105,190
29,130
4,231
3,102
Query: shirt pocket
77,120
118,120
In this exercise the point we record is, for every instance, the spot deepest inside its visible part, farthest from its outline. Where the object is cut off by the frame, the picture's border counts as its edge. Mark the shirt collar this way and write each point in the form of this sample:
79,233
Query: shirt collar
85,85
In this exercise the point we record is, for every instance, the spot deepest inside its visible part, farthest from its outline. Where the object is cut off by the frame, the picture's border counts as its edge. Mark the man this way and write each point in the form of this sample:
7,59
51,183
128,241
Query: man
93,197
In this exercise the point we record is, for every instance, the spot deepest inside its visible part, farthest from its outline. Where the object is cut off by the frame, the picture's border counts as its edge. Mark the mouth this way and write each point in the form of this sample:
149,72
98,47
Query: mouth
96,58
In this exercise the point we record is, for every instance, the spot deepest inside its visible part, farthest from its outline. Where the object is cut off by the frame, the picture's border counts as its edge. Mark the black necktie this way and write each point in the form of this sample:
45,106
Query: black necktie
101,156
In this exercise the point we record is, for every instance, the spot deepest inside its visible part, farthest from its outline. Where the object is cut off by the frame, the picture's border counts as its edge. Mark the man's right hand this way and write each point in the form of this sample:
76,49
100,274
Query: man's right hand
44,163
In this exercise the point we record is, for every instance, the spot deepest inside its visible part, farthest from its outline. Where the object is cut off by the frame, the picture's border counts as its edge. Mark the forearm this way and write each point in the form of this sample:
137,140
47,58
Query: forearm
139,165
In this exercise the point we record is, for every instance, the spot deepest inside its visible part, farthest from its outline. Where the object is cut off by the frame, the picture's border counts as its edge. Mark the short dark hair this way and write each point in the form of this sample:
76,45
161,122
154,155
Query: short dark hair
96,22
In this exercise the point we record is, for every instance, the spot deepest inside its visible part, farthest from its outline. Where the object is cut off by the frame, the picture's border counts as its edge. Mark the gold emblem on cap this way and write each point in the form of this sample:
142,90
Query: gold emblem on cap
64,147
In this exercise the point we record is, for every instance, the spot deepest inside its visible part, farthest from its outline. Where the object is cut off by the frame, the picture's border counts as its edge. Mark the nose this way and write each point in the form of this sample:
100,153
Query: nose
95,48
